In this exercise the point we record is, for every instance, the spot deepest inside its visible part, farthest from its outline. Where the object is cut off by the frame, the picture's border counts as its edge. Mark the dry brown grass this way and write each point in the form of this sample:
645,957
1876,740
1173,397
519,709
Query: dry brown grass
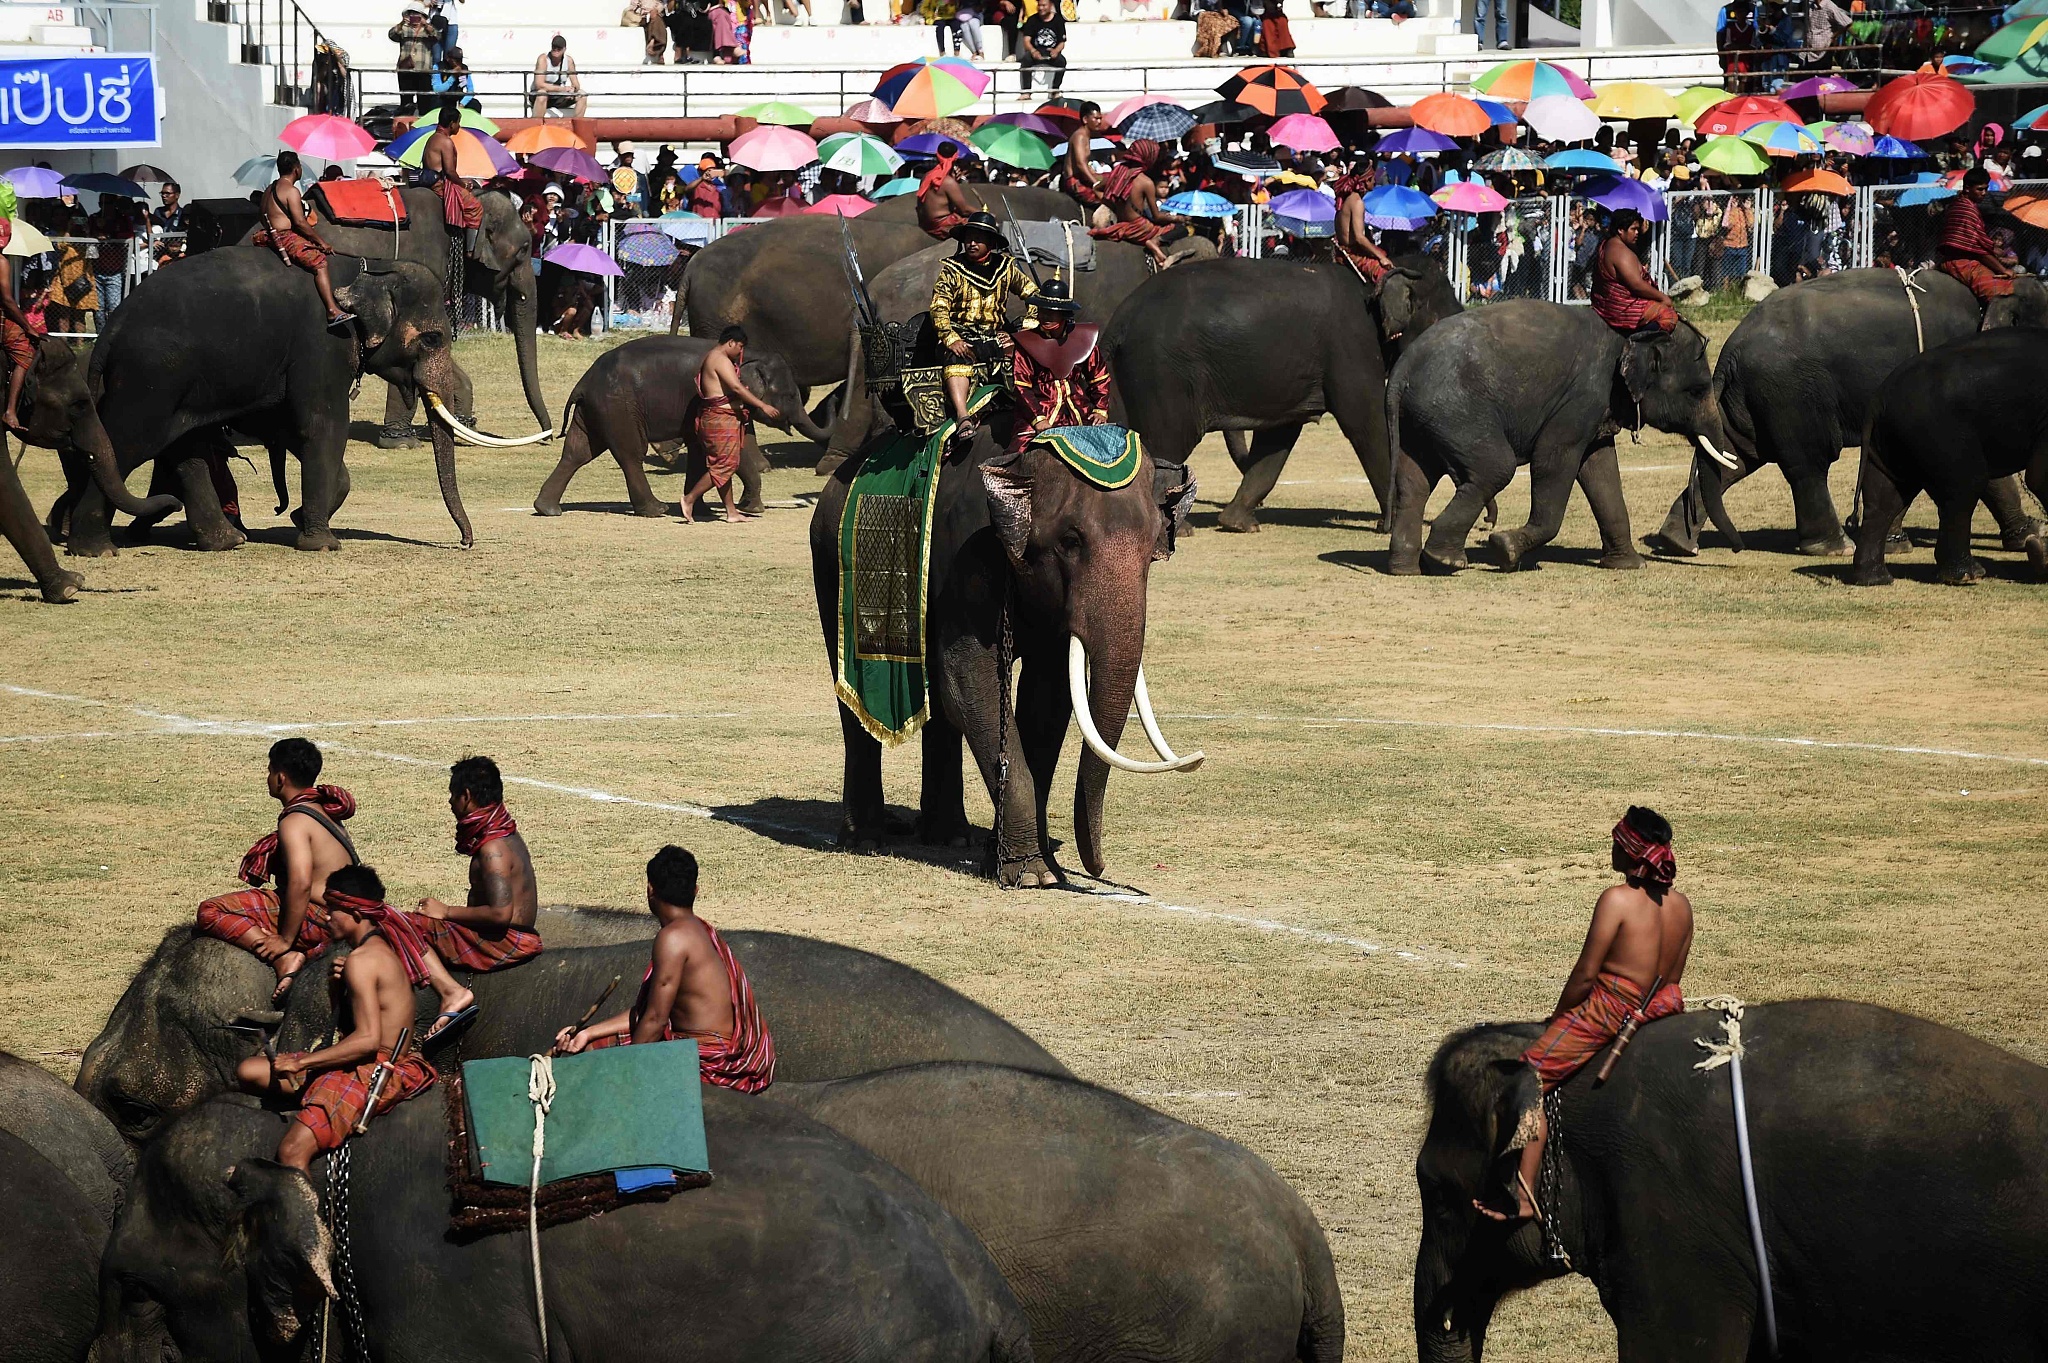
1907,879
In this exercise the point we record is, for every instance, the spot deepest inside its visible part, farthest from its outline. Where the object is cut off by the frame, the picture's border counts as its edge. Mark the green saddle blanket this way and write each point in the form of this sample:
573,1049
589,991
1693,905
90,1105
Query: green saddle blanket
624,1107
1106,456
884,561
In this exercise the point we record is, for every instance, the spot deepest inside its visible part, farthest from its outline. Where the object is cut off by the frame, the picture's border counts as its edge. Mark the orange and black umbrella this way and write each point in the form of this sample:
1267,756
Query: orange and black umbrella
1274,91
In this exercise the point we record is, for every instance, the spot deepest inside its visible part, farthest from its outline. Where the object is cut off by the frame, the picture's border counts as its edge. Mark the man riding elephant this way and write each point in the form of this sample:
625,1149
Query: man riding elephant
969,302
1966,251
1624,296
1132,190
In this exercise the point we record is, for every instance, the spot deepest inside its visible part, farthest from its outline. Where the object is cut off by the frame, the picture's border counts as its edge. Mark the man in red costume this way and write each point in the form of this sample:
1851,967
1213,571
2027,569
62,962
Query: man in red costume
459,208
288,231
493,929
942,204
1058,370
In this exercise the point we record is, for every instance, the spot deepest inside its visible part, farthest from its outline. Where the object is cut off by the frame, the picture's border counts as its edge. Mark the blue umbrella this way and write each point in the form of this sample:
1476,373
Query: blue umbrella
1578,158
1927,188
1159,122
1896,149
889,189
1416,140
928,144
1501,114
1619,192
1398,207
99,182
1199,203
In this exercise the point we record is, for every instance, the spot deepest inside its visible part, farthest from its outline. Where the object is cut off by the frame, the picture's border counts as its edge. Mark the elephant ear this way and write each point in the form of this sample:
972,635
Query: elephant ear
1009,506
1517,1106
285,1247
1174,487
1641,367
368,296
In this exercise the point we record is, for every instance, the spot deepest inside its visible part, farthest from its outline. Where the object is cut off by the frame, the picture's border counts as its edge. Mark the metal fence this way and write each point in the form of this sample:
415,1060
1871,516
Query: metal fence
88,278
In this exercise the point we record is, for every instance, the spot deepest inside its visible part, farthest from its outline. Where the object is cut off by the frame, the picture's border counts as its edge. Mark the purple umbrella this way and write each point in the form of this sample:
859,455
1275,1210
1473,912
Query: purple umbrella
35,182
1306,204
582,259
573,161
928,144
1618,192
1414,140
1816,86
1034,123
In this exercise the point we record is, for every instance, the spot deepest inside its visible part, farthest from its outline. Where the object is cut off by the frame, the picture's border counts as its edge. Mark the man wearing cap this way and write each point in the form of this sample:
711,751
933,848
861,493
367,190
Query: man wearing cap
705,199
415,39
969,302
1058,370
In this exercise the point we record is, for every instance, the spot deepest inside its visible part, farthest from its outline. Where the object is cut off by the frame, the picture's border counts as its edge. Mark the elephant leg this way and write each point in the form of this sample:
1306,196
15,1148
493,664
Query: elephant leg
1813,511
1044,709
967,689
578,449
1490,466
92,531
1885,499
323,483
2015,527
1269,452
1361,413
630,449
1413,484
1954,564
1600,480
1239,449
753,468
401,404
203,512
30,540
1680,533
863,818
942,804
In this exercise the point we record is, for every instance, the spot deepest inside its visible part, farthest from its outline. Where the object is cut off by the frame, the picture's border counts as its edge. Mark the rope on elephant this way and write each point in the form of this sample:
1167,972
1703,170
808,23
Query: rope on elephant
1729,1051
1910,278
540,1091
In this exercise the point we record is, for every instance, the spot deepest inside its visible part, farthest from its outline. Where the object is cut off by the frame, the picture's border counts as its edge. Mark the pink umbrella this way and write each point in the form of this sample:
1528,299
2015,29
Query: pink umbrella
781,206
852,205
1135,103
873,111
327,137
770,147
1469,196
583,259
571,161
1303,132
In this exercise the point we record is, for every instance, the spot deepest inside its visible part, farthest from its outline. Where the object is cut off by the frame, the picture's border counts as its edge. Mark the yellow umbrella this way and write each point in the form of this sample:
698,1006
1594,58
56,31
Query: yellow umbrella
1700,98
1632,100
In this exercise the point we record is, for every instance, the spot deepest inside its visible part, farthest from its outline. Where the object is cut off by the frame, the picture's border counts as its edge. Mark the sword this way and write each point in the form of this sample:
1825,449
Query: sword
1023,246
588,1013
855,280
1627,1033
381,1076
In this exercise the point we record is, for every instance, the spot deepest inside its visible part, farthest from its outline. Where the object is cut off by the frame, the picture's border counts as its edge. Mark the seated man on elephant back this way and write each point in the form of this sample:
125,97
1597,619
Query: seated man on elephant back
18,336
1623,295
1354,240
459,208
288,231
970,298
1058,371
1130,189
1965,250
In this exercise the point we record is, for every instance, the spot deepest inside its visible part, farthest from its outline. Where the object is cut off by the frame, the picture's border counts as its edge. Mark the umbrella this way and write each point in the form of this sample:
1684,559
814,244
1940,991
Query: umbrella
1732,156
1469,196
1126,108
1350,99
540,137
1815,86
99,182
146,174
641,246
1308,204
1225,111
889,189
770,147
27,241
2033,120
1732,116
476,157
1303,132
1633,100
1531,80
472,119
1510,159
1926,189
1918,106
2000,181
1159,122
1618,192
587,259
847,205
327,137
931,87
1274,91
1696,100
2030,209
1399,208
38,182
2026,9
928,144
1449,114
1250,164
1416,140
1851,139
858,154
1013,146
1782,139
1958,65
2029,68
1561,118
872,111
1501,114
1895,149
1816,182
2012,40
779,112
1199,203
571,161
1036,123
1059,114
1579,158
1294,177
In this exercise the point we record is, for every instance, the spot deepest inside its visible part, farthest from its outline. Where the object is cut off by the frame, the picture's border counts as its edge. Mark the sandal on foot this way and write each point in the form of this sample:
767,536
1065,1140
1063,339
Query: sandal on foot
447,1026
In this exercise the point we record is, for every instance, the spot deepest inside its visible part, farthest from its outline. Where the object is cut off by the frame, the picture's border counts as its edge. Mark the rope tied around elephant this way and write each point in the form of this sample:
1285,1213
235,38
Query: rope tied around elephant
540,1091
1729,1052
1910,279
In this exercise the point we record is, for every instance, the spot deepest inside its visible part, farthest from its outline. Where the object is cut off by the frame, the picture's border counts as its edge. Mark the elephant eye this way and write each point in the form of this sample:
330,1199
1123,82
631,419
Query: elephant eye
432,340
133,1115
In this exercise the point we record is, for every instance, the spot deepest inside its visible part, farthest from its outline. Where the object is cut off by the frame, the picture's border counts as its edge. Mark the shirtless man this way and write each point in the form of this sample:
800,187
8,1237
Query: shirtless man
493,929
288,231
17,335
333,1083
693,988
1354,237
1630,966
718,428
1078,177
942,204
1131,191
286,925
1623,295
460,210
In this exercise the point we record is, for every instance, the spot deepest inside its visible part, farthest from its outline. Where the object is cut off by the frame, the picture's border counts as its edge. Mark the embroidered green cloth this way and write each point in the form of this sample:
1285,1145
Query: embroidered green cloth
884,561
1106,456
624,1107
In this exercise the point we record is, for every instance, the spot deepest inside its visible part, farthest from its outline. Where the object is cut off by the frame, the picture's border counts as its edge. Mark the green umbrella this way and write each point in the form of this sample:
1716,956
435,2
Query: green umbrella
1697,100
1013,146
780,112
1732,156
472,119
858,154
2012,40
2028,68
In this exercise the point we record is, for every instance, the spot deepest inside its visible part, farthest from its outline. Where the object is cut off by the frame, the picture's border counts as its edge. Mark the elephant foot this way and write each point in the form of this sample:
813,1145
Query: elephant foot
1664,543
219,541
79,547
1872,575
1238,520
1833,547
397,438
1404,565
1620,559
2021,539
950,830
2037,554
1443,565
1031,873
319,540
1900,543
541,508
1508,547
828,463
752,506
652,511
63,588
138,534
1968,573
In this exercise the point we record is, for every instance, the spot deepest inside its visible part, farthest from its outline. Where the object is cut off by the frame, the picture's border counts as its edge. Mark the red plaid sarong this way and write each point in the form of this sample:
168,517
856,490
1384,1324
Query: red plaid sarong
459,207
334,1100
259,862
1575,1037
719,434
479,827
291,247
1962,229
471,948
245,916
943,228
1980,278
744,1061
1080,191
1369,269
19,345
1137,231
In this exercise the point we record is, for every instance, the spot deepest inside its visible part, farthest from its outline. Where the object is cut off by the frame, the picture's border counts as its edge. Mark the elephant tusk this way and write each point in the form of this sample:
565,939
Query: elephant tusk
1143,697
435,405
1713,452
1077,685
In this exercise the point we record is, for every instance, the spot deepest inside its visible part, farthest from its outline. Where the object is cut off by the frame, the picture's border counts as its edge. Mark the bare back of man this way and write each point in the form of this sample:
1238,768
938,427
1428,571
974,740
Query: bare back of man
1652,939
311,854
693,978
439,153
1355,240
500,873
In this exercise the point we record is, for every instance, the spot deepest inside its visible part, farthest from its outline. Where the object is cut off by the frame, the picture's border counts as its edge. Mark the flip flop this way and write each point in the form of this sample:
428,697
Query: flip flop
447,1026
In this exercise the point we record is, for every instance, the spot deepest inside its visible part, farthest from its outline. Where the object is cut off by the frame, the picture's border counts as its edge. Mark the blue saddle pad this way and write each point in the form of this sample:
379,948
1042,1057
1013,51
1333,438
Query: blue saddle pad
622,1108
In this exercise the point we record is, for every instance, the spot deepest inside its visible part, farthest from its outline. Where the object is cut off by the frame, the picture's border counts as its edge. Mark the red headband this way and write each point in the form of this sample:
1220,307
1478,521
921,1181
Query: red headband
393,926
1653,863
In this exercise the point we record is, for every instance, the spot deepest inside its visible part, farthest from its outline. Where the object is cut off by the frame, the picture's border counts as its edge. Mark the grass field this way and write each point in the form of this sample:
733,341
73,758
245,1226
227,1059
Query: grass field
1400,829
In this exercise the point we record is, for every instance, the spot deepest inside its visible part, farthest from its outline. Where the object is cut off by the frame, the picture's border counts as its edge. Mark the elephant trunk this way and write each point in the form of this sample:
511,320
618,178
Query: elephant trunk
806,426
440,380
91,439
522,314
1710,480
1449,1326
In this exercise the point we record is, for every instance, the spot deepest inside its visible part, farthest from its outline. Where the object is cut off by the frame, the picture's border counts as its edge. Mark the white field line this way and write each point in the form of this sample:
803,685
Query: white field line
1519,473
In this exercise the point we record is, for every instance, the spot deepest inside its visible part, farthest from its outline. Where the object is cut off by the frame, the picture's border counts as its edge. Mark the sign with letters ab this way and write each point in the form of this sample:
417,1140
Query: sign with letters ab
105,100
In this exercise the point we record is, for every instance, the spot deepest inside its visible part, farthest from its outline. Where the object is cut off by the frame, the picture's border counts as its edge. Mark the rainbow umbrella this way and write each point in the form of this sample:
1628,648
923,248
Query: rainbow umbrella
1013,146
779,112
1449,114
473,119
1303,132
931,87
476,157
846,205
1509,159
1581,158
1501,114
1851,139
1469,196
858,154
1732,156
1398,208
1632,100
1533,80
770,147
327,137
2033,120
1697,100
1782,139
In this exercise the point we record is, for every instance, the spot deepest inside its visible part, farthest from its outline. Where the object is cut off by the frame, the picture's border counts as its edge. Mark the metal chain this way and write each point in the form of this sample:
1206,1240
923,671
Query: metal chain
344,1264
1550,1179
1005,654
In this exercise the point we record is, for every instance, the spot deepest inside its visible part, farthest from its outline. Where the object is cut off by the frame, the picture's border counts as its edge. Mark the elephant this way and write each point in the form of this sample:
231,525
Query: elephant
1026,559
57,413
237,337
1123,1233
1487,390
1795,380
49,1259
192,1012
1947,423
499,270
1267,346
803,1246
639,394
1028,203
1897,1170
76,1139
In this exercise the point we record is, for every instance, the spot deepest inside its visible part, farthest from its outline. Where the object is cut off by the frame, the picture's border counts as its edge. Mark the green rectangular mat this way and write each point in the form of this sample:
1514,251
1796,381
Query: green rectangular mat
623,1107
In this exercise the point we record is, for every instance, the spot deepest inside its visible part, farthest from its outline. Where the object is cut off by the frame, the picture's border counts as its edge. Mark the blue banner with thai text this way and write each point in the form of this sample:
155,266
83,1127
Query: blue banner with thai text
106,100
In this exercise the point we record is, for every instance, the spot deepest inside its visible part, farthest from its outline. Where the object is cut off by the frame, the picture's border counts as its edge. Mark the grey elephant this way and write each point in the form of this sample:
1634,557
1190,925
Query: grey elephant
803,1246
1124,1233
1267,346
1795,380
1901,1206
1030,204
1542,384
198,1007
639,394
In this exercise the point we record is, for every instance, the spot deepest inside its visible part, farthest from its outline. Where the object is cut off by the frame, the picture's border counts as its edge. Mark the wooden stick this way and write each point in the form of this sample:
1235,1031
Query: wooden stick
589,1012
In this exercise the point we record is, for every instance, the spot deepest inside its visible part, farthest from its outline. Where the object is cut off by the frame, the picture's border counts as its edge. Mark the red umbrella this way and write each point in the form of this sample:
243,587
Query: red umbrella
1737,115
1919,106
